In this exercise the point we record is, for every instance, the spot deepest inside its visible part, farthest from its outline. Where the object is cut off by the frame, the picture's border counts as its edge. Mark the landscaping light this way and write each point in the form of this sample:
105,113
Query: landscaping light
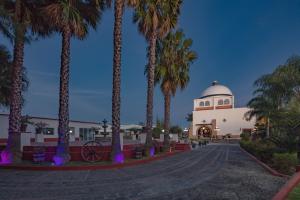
152,151
6,157
119,158
58,161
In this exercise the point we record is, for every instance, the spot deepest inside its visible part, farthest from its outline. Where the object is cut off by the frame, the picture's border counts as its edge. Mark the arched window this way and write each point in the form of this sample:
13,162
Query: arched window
220,102
207,103
226,101
201,104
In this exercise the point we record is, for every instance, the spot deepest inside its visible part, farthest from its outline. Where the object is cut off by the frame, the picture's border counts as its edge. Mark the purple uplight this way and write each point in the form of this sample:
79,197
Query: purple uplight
119,158
6,157
58,161
152,151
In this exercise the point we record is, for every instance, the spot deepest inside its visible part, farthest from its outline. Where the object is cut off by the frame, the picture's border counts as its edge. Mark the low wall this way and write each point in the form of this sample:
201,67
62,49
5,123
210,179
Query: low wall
75,151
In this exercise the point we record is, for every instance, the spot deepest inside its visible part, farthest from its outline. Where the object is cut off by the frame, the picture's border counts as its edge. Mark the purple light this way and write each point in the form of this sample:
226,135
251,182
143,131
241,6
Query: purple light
119,158
58,161
6,157
152,151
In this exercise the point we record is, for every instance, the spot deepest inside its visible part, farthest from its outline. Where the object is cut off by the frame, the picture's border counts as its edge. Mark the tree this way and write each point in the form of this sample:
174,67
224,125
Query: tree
5,23
5,77
189,117
274,92
117,154
16,19
174,57
70,18
155,18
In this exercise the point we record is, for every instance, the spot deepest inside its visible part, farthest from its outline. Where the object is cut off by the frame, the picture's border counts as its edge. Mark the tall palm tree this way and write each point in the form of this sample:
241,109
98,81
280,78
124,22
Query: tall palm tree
174,57
155,18
71,18
16,19
117,155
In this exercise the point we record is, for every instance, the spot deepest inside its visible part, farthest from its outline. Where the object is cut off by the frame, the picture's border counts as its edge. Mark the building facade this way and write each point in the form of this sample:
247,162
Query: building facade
80,131
214,114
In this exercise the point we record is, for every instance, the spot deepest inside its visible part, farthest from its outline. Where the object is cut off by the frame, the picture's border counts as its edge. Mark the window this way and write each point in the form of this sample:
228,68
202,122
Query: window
201,104
226,101
48,131
220,102
86,134
207,103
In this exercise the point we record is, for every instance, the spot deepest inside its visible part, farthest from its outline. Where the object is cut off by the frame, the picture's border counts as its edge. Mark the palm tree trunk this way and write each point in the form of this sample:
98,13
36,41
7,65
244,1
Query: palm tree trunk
167,98
150,90
13,147
62,150
117,155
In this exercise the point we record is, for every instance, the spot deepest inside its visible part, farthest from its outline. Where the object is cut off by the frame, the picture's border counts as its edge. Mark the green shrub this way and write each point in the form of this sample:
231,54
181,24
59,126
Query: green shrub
245,136
285,162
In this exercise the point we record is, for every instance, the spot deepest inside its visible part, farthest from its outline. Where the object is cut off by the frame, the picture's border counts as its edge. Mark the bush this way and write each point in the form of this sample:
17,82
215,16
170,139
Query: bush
261,149
245,136
285,162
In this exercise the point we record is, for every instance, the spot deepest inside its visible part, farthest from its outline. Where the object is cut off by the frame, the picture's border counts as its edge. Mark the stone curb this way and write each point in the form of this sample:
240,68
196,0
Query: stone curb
89,167
288,187
265,166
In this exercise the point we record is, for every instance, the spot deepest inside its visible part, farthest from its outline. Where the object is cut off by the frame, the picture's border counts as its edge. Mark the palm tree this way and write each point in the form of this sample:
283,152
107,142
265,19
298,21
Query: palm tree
155,18
5,23
116,154
174,57
71,18
5,76
16,18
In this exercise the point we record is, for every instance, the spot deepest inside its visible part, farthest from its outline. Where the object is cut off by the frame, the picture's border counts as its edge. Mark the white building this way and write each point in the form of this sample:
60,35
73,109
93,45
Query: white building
214,114
80,131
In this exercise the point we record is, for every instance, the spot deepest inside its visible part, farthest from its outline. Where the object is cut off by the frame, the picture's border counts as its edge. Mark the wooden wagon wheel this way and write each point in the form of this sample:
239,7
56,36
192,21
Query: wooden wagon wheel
90,151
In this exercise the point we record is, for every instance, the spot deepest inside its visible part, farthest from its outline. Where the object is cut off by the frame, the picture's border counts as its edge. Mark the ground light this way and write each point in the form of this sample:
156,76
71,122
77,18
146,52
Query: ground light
152,151
119,158
5,157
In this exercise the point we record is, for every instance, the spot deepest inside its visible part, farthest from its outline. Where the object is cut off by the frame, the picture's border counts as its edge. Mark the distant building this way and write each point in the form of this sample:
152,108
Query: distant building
215,115
80,131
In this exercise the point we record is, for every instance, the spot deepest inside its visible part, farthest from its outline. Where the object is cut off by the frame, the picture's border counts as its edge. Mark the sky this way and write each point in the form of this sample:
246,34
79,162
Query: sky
237,41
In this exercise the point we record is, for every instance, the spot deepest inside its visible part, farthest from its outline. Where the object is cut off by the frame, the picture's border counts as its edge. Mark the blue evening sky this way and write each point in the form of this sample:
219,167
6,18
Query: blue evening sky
236,40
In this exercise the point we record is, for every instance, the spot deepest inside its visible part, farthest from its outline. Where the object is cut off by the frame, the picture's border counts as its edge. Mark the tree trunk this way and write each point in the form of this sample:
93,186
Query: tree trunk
150,90
167,120
62,151
13,147
117,155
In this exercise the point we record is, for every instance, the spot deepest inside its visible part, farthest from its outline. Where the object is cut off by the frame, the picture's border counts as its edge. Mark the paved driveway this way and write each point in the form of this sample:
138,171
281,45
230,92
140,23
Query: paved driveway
211,172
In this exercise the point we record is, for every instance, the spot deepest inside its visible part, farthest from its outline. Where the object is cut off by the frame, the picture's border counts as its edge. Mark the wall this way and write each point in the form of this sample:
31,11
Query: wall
234,123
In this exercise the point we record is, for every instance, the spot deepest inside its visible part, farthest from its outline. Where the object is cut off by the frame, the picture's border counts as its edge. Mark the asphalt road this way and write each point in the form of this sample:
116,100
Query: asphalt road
211,172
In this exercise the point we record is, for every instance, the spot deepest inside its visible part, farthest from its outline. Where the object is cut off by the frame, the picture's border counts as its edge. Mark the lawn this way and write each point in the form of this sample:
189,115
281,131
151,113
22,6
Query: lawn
295,194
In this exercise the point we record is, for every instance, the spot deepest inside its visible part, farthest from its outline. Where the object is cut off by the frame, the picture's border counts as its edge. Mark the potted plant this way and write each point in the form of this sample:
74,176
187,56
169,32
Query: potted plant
25,120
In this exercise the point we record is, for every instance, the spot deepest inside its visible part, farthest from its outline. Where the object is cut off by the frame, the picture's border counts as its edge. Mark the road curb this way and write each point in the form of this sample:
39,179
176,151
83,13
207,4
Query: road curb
288,187
88,167
265,166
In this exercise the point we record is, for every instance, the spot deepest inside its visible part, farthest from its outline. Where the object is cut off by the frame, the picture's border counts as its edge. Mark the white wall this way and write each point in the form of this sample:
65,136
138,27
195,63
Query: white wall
234,123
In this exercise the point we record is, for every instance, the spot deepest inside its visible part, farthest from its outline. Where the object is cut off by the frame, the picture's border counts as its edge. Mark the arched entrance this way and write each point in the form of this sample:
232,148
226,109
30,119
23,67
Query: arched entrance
204,131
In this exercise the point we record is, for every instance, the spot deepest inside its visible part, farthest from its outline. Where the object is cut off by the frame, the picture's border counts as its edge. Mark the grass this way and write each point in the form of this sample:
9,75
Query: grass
295,193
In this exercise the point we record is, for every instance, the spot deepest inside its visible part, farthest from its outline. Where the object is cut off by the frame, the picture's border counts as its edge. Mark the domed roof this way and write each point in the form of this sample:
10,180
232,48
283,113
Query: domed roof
215,90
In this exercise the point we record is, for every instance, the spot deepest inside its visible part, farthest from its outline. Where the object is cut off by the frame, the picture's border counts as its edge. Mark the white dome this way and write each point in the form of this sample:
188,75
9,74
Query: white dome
215,90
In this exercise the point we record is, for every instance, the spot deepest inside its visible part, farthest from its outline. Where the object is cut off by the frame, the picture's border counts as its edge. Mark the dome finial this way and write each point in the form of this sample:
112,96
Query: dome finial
215,83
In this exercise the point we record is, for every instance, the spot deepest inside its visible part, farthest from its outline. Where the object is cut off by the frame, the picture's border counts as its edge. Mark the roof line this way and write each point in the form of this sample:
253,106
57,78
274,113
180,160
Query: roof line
211,95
